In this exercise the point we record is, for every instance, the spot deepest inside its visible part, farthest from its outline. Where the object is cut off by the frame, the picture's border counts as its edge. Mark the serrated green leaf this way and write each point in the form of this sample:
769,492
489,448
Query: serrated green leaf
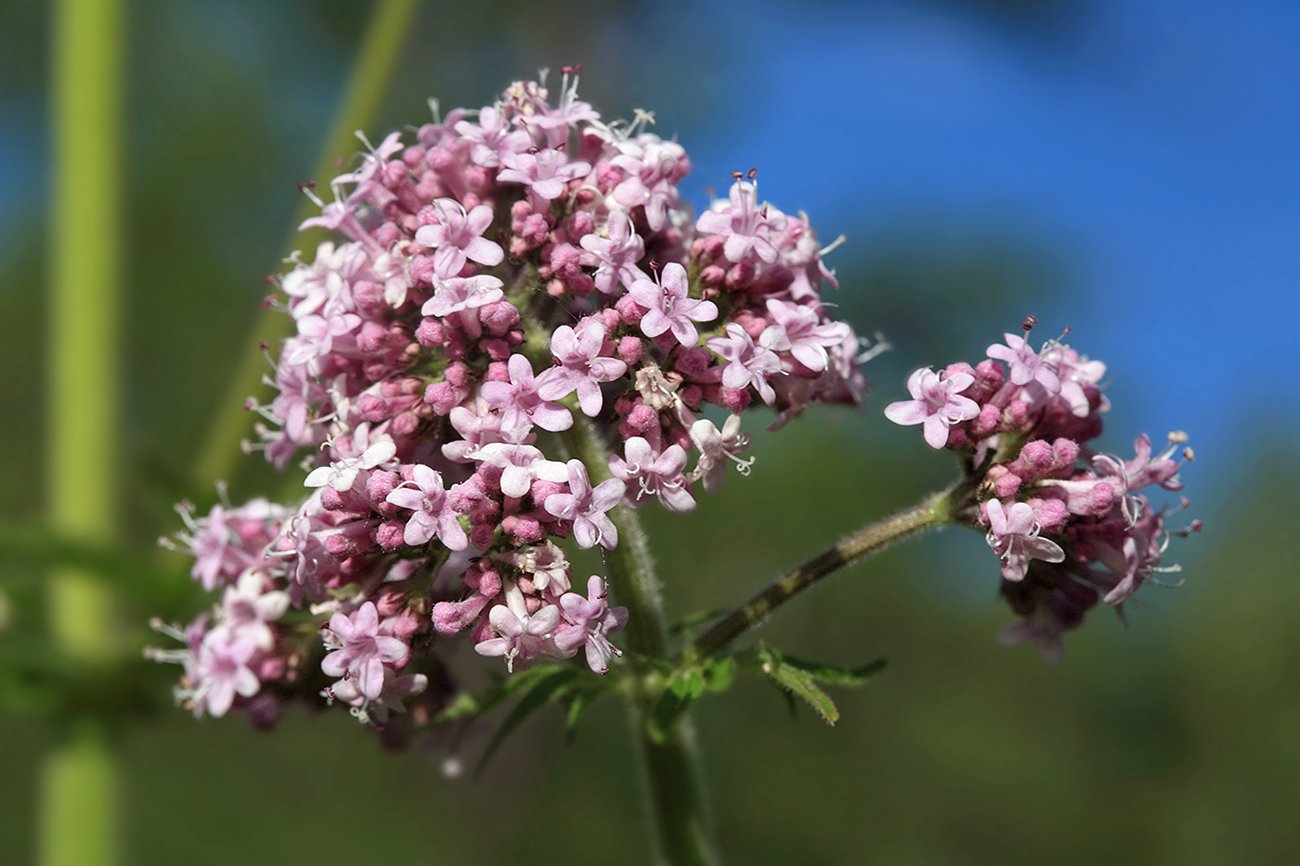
834,675
547,688
798,683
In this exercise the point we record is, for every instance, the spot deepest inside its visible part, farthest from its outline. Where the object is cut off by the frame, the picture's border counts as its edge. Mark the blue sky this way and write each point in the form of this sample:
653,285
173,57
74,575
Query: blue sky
1153,145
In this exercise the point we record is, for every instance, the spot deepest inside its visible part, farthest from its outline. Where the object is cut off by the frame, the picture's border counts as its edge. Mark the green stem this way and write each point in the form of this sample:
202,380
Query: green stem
78,817
670,766
371,74
933,511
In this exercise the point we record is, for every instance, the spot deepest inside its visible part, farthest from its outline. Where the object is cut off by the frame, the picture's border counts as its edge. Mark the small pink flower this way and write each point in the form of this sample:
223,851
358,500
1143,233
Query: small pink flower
588,622
1013,535
433,515
937,404
361,647
586,507
668,307
457,237
648,473
521,637
748,363
582,368
615,255
463,293
545,172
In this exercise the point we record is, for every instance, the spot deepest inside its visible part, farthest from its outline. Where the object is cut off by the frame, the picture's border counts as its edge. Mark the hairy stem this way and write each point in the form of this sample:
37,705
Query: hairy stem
670,766
78,785
371,74
933,511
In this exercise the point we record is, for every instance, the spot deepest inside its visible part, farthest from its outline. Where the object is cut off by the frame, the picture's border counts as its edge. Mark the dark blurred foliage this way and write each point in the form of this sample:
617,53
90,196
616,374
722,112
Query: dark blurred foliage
1173,742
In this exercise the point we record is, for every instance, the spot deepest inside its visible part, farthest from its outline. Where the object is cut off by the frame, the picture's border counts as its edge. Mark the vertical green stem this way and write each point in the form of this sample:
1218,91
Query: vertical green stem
78,824
372,73
678,806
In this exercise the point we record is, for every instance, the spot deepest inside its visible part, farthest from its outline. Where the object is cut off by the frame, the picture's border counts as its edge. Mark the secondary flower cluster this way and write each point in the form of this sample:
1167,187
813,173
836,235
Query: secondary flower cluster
503,275
1069,524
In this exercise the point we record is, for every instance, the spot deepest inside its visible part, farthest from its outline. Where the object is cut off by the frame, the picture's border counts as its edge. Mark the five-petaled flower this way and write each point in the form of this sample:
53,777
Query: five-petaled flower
936,403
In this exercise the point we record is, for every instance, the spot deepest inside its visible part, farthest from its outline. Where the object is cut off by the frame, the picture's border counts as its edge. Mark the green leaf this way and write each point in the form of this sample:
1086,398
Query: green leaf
719,674
799,683
547,688
665,712
577,704
695,620
834,675
471,706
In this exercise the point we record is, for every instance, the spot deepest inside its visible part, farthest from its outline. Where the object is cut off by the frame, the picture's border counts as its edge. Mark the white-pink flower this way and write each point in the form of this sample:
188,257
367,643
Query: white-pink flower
1013,535
936,403
432,516
747,363
457,238
586,507
669,308
648,473
582,368
463,293
545,172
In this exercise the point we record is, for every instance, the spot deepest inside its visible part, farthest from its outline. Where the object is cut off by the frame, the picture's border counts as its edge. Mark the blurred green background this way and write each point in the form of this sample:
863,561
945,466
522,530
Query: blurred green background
1173,742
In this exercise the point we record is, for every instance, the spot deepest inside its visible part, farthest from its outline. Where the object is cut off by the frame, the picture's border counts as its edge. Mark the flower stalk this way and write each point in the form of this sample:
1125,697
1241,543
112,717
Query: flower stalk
78,786
935,510
670,766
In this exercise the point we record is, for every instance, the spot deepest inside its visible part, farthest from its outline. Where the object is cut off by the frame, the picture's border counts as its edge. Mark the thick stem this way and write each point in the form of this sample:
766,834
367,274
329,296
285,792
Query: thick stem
371,73
679,812
78,786
933,511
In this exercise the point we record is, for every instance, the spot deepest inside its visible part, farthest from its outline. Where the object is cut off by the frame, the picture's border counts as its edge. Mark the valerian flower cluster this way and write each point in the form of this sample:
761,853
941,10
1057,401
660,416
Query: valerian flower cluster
496,277
1070,525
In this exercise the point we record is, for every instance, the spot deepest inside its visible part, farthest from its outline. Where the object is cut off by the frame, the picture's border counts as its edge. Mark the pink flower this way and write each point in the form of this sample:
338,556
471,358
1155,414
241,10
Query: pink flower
457,238
1013,535
586,507
717,447
493,137
588,622
433,516
1026,364
936,404
521,637
545,172
748,364
463,293
519,403
361,647
368,453
582,366
668,308
800,331
221,671
648,473
744,224
248,606
519,465
615,255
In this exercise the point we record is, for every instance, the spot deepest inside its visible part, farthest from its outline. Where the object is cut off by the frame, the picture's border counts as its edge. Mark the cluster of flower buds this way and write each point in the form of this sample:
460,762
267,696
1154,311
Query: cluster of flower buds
1069,524
502,276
